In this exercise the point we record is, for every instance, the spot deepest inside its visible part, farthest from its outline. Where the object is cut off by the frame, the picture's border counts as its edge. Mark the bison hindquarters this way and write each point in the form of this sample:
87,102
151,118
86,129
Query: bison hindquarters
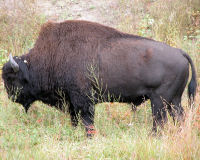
167,97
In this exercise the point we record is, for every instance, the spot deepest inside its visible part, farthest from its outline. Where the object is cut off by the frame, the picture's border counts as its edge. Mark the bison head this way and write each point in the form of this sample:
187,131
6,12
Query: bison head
16,80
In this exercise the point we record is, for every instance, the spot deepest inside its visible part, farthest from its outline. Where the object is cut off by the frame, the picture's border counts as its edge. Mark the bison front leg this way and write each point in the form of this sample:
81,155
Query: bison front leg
84,105
87,116
74,114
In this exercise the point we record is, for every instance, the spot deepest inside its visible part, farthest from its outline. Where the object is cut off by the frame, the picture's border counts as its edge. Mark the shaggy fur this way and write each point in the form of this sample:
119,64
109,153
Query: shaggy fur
129,66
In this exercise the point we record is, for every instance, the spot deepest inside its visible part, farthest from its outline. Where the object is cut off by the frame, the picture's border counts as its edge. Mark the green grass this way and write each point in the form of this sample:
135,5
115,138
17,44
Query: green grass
46,133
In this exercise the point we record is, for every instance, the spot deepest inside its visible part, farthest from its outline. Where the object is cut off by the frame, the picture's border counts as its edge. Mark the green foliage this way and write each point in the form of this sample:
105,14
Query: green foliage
3,57
171,20
145,26
98,92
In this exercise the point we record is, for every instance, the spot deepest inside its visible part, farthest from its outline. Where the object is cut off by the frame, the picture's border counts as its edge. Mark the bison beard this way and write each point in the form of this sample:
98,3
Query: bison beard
129,66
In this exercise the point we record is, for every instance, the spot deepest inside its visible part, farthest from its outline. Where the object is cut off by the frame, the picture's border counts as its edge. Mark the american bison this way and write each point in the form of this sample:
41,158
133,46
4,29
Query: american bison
132,67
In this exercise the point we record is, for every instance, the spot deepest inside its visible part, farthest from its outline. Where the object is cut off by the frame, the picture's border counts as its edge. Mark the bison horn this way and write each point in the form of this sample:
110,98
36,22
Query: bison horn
14,64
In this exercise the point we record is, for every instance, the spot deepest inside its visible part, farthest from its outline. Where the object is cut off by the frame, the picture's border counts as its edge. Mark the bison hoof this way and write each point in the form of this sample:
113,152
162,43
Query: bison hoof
90,130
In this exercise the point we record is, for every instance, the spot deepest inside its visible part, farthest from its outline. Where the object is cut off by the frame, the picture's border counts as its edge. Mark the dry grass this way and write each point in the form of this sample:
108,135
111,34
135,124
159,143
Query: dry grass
19,26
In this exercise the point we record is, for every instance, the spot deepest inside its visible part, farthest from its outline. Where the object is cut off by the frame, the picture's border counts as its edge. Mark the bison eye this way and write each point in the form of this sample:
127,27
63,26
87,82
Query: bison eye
25,81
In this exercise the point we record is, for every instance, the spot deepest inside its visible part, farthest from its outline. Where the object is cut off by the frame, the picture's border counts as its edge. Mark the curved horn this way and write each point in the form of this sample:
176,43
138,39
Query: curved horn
14,64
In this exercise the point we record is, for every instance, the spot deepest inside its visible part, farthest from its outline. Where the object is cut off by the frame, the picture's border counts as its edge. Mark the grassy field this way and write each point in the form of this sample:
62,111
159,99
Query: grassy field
46,133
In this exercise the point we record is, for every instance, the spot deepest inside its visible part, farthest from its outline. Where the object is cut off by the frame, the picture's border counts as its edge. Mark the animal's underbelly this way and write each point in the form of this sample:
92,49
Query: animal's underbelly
130,94
132,98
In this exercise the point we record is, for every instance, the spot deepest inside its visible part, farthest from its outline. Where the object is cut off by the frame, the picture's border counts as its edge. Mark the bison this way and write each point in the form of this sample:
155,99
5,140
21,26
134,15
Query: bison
131,67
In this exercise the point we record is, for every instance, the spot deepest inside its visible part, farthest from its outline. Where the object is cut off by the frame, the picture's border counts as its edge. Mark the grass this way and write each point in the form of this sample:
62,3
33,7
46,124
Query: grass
45,133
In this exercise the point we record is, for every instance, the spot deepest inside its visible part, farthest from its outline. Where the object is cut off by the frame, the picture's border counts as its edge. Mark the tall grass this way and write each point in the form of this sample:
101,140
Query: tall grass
19,26
172,20
45,133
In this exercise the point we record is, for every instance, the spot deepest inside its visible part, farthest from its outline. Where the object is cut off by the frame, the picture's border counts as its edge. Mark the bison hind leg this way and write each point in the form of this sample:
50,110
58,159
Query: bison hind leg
176,110
158,112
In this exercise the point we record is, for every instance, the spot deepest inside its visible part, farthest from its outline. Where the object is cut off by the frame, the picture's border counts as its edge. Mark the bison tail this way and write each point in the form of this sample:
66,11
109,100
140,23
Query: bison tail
193,82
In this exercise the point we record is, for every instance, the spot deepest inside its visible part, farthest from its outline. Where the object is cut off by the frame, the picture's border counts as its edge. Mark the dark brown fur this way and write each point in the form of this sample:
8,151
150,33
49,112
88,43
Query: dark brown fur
129,66
147,55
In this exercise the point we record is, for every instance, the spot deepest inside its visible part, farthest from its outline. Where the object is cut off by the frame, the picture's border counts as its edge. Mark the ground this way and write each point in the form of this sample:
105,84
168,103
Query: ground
91,10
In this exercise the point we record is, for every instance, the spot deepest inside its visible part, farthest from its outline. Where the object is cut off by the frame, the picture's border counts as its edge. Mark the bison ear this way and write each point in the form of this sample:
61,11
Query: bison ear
24,70
26,75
